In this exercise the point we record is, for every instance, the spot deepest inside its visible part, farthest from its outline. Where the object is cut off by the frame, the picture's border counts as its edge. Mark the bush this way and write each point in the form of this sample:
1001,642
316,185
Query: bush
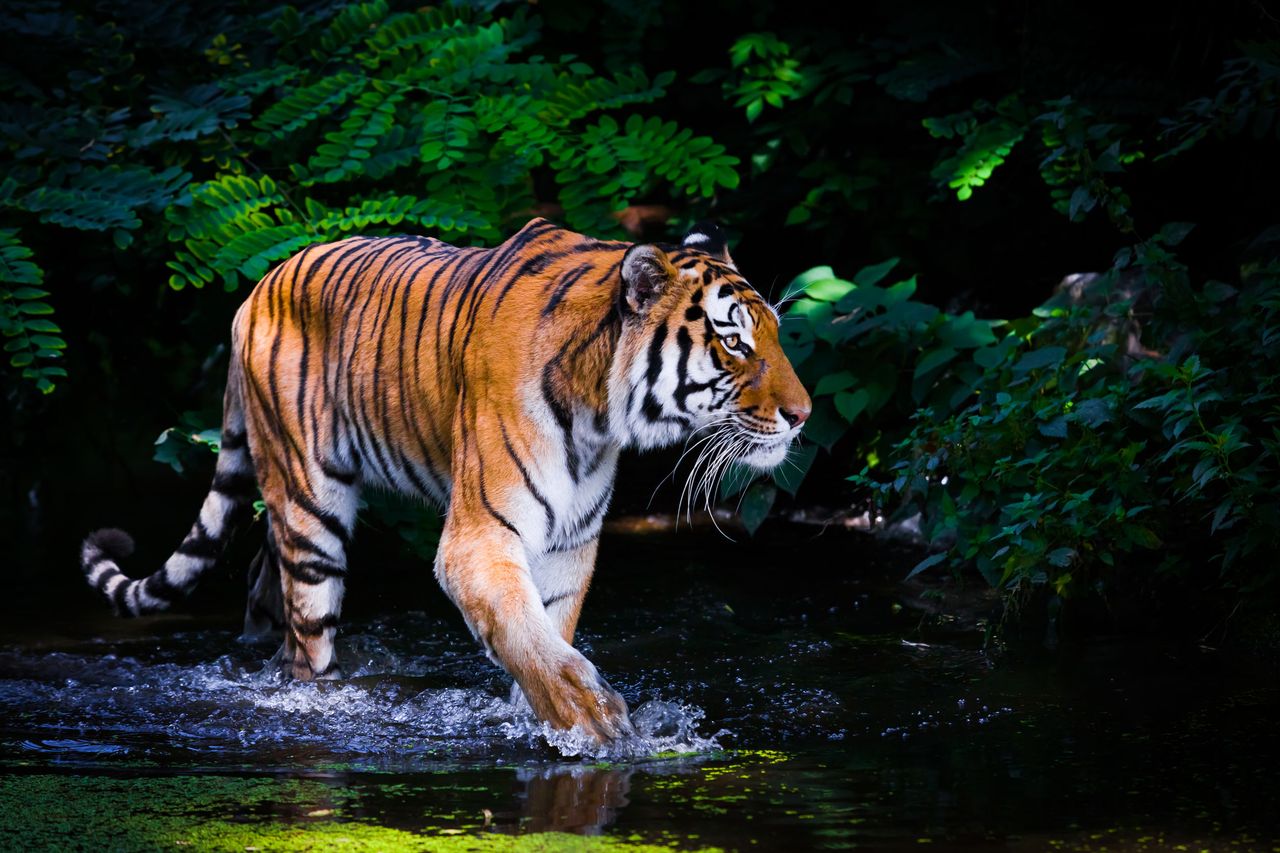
1131,414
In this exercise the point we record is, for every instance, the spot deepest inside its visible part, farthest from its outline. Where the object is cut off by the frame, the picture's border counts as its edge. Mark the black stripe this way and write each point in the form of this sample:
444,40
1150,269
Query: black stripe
563,418
528,481
118,597
301,542
653,412
329,520
525,238
315,627
346,478
238,485
234,440
311,572
569,280
653,367
106,578
683,386
199,543
158,586
484,499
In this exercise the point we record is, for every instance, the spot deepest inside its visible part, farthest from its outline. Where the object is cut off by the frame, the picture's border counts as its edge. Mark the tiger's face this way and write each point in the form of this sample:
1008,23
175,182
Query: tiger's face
705,358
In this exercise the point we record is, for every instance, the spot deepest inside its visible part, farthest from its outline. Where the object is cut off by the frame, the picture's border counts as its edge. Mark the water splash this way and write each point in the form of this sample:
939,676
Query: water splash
392,712
661,728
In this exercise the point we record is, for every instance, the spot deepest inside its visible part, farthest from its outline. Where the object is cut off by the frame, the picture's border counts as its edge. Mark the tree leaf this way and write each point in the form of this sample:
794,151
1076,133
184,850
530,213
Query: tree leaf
1218,291
851,404
927,563
833,382
967,332
1040,358
801,283
871,275
1093,412
1061,557
828,290
1056,428
901,292
934,359
1173,233
756,504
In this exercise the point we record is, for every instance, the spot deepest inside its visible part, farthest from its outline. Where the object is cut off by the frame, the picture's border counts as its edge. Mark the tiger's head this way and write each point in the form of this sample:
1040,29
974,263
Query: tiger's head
699,357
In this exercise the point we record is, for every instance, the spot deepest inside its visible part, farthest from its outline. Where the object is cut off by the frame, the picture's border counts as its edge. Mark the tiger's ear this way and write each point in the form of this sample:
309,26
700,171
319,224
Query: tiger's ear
707,237
646,273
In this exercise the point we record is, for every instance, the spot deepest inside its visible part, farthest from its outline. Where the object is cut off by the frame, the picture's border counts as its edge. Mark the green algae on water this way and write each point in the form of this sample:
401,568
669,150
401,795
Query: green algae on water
57,812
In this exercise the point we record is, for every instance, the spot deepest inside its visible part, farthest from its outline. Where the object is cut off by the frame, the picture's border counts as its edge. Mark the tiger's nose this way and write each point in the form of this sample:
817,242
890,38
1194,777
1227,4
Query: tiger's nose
795,417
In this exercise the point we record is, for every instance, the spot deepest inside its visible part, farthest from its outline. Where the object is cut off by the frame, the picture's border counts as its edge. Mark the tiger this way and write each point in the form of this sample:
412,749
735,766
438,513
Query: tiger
499,383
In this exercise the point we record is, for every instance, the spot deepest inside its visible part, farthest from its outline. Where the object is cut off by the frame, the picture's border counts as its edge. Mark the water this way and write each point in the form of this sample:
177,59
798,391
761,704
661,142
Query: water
781,703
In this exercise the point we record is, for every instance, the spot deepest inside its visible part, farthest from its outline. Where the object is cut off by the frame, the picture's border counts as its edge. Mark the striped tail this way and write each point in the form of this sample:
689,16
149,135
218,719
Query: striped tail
229,501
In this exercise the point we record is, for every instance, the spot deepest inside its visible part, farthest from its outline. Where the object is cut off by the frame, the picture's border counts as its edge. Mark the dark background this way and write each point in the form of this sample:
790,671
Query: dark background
141,354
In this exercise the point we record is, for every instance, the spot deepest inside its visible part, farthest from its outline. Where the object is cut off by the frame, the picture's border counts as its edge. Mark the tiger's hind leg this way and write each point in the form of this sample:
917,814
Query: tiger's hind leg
311,524
264,610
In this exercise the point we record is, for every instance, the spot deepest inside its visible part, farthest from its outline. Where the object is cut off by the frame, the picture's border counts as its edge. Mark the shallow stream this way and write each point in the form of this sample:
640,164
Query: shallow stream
787,699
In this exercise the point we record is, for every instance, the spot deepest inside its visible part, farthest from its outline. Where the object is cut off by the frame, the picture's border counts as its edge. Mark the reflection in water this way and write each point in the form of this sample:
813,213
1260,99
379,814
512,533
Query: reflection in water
572,798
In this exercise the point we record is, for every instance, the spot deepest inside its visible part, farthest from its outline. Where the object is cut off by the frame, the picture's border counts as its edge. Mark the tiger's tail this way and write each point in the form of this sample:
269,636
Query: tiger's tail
229,501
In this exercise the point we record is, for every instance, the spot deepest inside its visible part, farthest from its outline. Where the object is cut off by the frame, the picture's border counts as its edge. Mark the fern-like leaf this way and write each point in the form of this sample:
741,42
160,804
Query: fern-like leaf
31,339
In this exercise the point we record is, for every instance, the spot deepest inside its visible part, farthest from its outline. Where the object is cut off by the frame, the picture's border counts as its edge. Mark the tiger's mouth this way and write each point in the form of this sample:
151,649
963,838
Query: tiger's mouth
764,454
718,446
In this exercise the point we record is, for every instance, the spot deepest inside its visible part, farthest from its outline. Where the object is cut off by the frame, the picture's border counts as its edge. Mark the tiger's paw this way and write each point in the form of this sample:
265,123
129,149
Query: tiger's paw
302,671
571,693
293,664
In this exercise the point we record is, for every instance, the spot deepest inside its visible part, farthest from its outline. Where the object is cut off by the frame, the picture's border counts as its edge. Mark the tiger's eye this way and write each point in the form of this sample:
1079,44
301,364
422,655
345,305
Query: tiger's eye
731,341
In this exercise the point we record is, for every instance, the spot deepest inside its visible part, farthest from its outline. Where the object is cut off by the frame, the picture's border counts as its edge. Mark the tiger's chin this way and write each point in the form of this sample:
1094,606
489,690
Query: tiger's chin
767,457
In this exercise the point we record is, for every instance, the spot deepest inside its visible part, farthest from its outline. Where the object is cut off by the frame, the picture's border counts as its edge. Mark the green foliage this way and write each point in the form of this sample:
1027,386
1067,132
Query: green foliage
434,119
811,83
985,143
1246,102
185,445
1081,153
1084,449
871,354
802,92
31,339
95,154
773,77
1130,420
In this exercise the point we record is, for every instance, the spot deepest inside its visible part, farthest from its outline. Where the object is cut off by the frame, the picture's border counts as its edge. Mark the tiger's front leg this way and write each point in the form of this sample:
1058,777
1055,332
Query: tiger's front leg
482,566
562,578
